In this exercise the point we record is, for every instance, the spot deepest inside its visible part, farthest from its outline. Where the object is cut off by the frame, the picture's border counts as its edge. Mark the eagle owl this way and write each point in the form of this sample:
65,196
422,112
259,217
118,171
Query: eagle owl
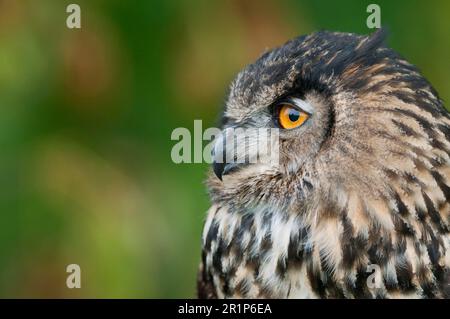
358,205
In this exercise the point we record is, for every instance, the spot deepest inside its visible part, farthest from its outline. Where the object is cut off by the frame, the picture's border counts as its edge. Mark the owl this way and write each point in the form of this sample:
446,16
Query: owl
358,203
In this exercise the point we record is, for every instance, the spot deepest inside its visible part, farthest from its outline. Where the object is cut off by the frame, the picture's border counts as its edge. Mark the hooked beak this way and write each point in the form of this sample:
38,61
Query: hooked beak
221,164
235,149
222,169
218,169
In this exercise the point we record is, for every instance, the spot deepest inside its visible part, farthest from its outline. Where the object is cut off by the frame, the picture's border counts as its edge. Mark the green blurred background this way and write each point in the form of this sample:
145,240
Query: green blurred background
86,117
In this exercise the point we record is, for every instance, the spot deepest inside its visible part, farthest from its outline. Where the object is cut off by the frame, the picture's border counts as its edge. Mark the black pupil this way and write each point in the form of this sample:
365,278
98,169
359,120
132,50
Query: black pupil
294,115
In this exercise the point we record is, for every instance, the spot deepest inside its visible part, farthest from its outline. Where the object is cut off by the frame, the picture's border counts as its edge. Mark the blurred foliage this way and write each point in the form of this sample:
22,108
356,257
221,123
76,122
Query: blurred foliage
86,117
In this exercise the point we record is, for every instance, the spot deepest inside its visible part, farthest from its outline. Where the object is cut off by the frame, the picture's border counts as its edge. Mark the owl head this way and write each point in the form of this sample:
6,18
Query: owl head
357,125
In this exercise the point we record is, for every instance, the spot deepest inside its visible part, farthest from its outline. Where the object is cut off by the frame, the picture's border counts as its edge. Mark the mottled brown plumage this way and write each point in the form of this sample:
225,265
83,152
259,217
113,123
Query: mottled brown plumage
365,181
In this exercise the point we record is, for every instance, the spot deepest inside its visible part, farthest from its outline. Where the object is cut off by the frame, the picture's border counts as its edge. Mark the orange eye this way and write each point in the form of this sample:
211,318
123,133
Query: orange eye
289,117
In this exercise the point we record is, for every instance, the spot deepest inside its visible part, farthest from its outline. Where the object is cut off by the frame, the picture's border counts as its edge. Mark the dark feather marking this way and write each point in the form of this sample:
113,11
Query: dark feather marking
442,185
404,274
295,248
361,290
245,226
211,235
282,266
445,130
252,264
433,252
334,290
426,126
432,109
351,246
405,129
434,214
314,279
205,286
266,244
307,184
402,227
429,289
402,209
421,214
217,256
380,247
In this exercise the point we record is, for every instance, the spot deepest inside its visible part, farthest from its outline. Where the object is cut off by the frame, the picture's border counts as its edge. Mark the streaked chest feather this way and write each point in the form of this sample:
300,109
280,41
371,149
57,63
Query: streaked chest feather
270,254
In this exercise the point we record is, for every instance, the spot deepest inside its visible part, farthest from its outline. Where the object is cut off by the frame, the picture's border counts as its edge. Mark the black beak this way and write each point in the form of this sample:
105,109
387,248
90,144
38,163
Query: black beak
222,169
220,165
219,169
